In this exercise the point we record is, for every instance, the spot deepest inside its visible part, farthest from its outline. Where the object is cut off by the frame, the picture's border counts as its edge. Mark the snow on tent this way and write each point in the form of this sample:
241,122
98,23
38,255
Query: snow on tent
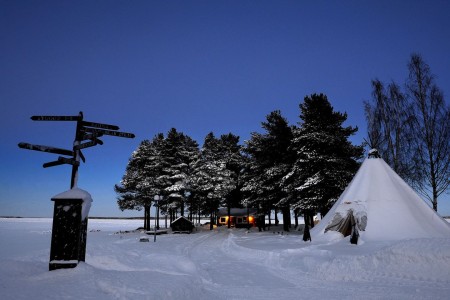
379,205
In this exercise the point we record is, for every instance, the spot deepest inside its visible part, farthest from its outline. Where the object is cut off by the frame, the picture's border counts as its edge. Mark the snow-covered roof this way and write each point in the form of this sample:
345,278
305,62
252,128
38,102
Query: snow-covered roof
223,211
181,217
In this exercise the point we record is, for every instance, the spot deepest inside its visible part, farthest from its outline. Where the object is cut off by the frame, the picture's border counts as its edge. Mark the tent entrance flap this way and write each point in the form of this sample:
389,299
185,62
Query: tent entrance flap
344,224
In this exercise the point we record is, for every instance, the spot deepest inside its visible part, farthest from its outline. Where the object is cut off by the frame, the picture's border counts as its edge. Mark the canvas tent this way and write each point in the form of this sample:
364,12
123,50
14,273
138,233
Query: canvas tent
379,205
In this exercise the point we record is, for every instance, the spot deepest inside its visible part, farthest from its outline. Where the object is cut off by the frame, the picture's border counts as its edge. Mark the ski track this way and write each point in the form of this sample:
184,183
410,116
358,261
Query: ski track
313,267
230,279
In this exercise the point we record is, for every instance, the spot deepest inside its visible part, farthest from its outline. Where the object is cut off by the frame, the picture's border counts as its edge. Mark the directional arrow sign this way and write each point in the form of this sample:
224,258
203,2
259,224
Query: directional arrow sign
61,161
46,149
92,136
110,132
69,161
100,125
55,118
53,164
85,145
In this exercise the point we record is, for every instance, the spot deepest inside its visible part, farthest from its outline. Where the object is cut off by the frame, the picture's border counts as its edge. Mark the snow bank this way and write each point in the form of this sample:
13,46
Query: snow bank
410,260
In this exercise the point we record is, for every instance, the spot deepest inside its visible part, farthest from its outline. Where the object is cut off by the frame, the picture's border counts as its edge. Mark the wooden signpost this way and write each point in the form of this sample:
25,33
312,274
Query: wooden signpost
69,227
85,130
54,118
45,149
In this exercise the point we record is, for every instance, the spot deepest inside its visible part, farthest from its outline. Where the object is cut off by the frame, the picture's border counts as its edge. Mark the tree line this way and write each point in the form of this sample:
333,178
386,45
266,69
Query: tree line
303,167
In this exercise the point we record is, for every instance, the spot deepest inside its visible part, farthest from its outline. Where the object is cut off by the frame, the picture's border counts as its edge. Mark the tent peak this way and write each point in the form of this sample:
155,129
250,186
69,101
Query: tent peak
373,153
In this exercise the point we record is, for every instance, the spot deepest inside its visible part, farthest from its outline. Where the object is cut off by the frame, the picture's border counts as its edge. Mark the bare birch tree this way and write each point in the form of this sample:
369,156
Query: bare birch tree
432,127
389,119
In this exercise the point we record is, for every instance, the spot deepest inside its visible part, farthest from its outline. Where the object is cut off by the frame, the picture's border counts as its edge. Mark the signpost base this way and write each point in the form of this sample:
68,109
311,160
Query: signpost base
70,217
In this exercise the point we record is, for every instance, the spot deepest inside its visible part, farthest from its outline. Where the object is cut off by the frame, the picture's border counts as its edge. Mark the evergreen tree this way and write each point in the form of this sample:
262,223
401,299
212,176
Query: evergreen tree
229,151
270,160
326,160
178,154
211,180
141,181
253,185
160,167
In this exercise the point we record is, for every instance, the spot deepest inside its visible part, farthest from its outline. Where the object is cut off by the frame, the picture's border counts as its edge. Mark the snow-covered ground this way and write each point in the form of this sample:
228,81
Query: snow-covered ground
219,264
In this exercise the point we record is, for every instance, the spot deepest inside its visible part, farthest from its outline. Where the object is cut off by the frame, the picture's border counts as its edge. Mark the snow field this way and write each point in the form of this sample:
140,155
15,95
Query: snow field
220,264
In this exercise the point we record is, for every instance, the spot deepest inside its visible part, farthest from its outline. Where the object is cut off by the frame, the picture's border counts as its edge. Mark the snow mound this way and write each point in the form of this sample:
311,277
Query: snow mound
406,260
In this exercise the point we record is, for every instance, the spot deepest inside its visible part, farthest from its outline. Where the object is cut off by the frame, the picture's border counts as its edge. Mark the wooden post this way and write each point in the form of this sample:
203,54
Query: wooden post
68,246
65,245
76,151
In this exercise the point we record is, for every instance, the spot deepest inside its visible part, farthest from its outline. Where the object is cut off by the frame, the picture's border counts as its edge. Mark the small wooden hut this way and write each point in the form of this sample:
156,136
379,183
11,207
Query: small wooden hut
239,217
182,225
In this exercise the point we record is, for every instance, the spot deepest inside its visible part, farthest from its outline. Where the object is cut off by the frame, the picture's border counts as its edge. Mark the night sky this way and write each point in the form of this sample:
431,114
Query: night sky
198,66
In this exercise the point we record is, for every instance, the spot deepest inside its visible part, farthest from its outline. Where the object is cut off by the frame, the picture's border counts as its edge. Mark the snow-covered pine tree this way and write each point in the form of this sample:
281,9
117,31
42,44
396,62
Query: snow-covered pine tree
230,151
211,181
129,197
141,181
326,159
179,153
252,189
189,153
270,161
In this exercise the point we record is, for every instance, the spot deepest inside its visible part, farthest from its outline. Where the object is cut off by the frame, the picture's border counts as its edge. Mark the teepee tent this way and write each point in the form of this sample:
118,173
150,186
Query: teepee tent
379,205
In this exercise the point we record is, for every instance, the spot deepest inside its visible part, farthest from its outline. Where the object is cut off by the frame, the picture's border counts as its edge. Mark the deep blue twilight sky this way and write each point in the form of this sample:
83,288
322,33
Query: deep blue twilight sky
198,66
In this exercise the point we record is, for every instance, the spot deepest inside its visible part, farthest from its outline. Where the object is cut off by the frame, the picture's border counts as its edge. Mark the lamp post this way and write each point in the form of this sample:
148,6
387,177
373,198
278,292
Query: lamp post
156,198
248,217
186,196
